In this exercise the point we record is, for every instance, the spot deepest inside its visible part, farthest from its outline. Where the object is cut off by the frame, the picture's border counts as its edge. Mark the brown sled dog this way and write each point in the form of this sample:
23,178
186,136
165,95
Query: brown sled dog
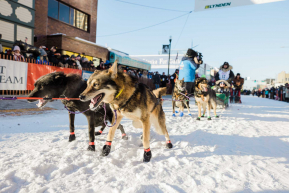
205,97
179,98
127,98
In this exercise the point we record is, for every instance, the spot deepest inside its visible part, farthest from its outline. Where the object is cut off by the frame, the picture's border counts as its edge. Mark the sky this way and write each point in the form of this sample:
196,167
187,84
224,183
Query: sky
254,39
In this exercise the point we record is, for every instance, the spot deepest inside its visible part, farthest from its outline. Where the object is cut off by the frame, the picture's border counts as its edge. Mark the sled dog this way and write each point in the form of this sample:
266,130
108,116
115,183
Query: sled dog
130,99
58,85
179,97
205,97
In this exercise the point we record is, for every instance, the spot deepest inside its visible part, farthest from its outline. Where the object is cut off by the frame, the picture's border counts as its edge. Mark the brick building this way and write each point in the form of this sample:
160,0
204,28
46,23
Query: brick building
70,25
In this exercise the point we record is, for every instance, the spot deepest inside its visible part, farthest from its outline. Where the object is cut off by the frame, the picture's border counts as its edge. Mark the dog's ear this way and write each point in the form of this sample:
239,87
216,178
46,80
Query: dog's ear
113,70
58,78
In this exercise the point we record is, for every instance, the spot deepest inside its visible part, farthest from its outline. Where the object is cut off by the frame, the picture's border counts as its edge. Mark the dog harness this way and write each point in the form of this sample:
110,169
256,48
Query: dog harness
119,93
122,106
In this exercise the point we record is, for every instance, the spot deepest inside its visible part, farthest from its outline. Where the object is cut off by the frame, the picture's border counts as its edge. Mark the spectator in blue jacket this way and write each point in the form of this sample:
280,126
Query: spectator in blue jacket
188,67
267,93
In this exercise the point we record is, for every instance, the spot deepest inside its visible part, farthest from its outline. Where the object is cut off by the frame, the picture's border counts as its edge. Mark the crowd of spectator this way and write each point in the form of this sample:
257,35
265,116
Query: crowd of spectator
280,93
52,57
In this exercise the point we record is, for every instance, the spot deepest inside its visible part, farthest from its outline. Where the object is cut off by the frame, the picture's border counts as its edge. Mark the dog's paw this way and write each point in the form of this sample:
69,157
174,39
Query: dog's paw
71,138
209,118
217,116
169,145
106,149
124,136
91,148
198,119
98,132
174,115
177,111
147,155
181,114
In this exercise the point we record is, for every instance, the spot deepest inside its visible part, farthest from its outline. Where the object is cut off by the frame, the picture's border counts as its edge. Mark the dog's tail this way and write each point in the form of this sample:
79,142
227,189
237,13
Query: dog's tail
160,92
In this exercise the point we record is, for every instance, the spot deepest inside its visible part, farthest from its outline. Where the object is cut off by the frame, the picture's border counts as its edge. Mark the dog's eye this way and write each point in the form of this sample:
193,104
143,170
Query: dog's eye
41,87
95,84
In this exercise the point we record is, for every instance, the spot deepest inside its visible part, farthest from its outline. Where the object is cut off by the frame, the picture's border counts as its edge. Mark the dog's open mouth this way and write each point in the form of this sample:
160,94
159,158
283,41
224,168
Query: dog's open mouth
41,102
205,89
96,101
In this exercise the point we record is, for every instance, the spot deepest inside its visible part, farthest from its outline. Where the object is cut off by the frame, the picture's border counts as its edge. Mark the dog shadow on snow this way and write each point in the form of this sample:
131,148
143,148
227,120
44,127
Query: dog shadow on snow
265,146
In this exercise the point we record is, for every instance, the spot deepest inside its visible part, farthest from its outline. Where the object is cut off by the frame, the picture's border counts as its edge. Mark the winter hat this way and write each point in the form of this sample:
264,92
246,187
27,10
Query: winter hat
85,60
72,56
16,48
191,53
238,74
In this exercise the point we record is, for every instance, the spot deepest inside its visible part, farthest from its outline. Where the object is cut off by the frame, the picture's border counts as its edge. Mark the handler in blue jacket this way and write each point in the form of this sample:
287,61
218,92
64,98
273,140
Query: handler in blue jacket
188,67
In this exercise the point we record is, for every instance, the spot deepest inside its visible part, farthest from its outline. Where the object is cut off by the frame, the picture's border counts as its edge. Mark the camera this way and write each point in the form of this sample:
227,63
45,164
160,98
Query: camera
200,57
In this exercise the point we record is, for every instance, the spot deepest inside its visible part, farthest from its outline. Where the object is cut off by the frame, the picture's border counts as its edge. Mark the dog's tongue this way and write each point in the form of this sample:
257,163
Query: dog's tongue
94,100
40,102
205,89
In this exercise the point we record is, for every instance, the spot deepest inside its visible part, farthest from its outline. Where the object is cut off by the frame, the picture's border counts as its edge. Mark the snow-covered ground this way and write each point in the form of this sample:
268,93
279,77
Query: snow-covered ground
245,150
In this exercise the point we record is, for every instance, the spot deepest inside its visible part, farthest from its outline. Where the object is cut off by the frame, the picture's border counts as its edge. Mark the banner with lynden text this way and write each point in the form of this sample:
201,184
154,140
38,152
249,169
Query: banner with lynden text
13,75
205,5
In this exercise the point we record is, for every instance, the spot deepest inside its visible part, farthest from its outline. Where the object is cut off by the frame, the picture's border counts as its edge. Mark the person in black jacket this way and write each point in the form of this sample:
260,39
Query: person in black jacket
54,57
225,73
157,80
174,78
164,80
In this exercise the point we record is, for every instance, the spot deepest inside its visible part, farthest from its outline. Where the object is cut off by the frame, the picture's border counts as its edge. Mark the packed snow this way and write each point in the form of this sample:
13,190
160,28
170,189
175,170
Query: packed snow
245,150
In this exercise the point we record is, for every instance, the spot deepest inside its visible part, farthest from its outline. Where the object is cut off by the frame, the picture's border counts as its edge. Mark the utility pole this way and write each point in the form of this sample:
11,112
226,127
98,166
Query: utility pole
169,56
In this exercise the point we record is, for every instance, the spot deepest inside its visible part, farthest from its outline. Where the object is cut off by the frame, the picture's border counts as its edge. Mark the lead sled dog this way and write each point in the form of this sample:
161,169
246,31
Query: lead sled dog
130,99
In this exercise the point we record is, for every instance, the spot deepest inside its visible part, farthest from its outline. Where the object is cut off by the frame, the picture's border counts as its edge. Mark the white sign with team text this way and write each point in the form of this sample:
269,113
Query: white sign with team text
13,75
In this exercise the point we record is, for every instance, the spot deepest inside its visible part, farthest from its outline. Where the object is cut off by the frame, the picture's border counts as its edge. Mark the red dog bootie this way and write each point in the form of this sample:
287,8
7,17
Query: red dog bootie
91,146
71,137
147,155
169,145
106,148
124,136
98,132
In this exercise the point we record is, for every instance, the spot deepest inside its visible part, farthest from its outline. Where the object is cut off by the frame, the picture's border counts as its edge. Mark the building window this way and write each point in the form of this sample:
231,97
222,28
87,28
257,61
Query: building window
72,18
68,15
81,20
63,13
53,9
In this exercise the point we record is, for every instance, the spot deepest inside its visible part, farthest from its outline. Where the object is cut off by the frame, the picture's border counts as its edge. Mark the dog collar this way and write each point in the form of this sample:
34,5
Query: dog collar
119,93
